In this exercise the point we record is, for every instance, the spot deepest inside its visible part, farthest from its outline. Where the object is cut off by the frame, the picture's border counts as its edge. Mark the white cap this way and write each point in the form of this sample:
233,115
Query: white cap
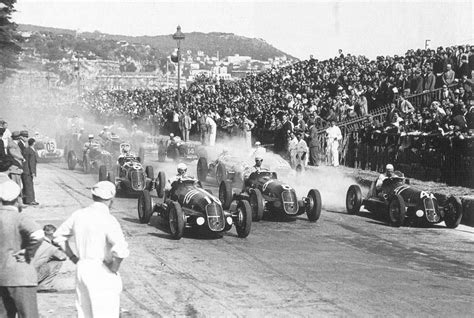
389,167
258,157
9,190
182,166
104,190
257,143
91,136
171,135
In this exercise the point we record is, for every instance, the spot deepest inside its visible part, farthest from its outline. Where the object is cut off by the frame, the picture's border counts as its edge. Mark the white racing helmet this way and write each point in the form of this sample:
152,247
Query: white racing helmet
182,168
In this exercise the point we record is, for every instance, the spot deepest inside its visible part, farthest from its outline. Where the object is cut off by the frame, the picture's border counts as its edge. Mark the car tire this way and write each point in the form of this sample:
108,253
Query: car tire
221,173
149,172
141,155
176,220
160,187
353,199
243,224
452,212
85,164
71,160
396,211
313,210
144,207
102,173
225,194
202,169
257,204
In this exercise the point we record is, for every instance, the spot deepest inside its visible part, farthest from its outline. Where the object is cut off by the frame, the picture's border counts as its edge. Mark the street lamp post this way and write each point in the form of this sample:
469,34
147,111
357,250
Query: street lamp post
178,36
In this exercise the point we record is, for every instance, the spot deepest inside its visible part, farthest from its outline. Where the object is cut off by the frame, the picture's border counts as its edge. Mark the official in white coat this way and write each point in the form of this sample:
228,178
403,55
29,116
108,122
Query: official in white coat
302,151
212,129
334,135
100,247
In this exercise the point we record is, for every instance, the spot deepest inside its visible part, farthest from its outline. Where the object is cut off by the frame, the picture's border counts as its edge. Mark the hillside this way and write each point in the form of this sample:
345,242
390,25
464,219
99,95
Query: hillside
55,44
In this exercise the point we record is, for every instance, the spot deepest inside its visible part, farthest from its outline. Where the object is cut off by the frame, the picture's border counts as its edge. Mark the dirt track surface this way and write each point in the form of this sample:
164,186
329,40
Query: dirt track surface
342,265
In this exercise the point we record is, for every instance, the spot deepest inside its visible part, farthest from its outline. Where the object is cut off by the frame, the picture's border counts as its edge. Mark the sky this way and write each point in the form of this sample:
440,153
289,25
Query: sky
299,28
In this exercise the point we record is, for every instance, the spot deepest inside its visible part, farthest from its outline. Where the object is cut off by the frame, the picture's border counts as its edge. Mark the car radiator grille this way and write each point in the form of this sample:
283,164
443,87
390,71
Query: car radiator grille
431,210
290,203
215,217
137,180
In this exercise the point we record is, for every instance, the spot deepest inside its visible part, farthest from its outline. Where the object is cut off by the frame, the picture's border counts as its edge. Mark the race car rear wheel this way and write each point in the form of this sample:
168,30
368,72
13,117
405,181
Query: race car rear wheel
85,164
396,211
452,212
221,173
71,160
313,209
161,183
141,154
353,199
175,220
103,173
202,169
257,204
244,218
225,194
144,207
149,172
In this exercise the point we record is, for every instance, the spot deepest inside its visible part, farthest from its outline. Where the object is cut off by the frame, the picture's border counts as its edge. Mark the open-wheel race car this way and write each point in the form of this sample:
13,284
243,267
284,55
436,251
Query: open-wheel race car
177,149
225,168
265,192
89,155
404,204
128,175
187,204
47,150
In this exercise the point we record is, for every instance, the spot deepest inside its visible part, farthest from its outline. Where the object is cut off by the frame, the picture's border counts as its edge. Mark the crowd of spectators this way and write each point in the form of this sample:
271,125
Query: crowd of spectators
309,92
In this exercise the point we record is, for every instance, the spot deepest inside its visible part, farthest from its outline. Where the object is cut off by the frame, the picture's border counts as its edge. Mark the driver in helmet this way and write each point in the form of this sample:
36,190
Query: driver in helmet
182,174
389,172
257,167
89,143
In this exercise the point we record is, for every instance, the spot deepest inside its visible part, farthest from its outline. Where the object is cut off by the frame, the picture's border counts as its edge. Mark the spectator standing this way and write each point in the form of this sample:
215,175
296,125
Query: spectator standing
248,125
19,240
14,151
185,125
314,145
292,148
212,129
29,173
449,75
203,130
48,260
301,151
101,247
429,80
334,135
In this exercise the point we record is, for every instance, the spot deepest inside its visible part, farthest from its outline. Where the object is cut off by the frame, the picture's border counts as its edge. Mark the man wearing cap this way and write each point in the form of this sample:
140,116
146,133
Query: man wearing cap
20,237
333,135
100,247
388,174
14,151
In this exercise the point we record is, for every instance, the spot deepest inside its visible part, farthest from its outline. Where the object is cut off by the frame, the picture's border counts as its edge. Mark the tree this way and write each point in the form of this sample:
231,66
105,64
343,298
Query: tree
9,40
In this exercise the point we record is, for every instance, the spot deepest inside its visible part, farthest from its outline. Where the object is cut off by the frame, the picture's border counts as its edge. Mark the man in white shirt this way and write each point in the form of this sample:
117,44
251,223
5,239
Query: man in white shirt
100,247
212,129
334,135
302,151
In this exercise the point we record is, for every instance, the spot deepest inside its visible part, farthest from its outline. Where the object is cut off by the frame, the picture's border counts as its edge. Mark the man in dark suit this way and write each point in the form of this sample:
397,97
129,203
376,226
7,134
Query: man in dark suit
23,141
29,172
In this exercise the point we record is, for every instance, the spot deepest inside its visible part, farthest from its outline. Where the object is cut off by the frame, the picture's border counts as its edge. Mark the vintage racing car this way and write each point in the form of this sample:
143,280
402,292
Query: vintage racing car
188,205
47,150
225,168
129,175
89,155
404,204
265,192
177,149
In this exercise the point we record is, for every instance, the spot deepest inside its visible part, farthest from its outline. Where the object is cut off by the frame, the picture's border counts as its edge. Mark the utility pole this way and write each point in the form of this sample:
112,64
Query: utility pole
427,44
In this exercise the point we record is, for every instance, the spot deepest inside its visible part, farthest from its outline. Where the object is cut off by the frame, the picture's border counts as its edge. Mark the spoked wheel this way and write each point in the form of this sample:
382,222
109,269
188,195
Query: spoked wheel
313,209
244,218
202,169
353,199
257,204
453,212
225,194
144,207
396,211
175,220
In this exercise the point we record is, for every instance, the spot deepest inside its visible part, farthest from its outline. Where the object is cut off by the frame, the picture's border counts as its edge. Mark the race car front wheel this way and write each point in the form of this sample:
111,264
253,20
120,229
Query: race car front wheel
257,204
175,220
244,218
225,194
353,199
144,207
396,211
313,209
202,169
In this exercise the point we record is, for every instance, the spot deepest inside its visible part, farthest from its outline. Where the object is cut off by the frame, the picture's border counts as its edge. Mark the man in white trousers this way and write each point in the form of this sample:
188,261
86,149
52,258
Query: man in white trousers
334,135
302,151
100,247
212,129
